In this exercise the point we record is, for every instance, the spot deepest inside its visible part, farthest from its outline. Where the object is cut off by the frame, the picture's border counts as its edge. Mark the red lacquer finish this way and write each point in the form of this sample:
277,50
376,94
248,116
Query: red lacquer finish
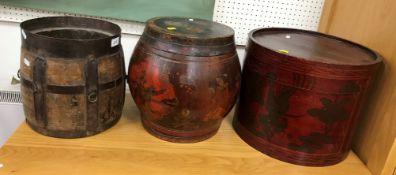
184,76
302,94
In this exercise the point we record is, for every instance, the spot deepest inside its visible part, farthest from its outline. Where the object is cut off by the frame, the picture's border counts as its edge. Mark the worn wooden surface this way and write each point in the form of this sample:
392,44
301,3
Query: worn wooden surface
66,113
371,23
128,149
72,75
389,167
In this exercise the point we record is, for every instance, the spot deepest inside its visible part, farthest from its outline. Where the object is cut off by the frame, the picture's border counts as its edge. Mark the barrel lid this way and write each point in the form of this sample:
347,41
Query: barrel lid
189,31
313,46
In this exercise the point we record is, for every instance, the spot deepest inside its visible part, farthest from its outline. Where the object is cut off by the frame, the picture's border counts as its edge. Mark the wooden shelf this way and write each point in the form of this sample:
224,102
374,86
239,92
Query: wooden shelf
128,149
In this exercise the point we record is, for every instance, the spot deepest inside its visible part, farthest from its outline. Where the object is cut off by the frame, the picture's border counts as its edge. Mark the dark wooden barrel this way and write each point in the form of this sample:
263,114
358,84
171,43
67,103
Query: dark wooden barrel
73,76
302,93
184,76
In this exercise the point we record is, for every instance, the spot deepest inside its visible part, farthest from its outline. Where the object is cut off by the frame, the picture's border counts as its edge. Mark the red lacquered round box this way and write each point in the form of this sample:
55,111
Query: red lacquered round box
184,77
302,93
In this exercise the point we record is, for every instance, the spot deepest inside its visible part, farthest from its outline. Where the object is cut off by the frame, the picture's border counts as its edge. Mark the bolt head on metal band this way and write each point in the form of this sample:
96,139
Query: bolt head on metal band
92,97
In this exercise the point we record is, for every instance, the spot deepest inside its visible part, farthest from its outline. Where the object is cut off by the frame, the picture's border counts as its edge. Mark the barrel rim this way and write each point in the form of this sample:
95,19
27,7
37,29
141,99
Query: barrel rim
113,29
377,58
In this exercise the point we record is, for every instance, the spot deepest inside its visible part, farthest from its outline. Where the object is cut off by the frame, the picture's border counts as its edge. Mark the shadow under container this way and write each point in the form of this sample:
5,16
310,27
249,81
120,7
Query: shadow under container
184,76
302,94
72,74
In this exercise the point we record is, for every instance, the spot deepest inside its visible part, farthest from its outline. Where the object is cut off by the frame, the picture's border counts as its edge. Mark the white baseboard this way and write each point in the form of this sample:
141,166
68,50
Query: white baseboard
5,85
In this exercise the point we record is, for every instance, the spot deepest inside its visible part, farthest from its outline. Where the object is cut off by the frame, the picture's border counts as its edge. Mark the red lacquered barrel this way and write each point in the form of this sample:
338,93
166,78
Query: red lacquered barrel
302,94
184,76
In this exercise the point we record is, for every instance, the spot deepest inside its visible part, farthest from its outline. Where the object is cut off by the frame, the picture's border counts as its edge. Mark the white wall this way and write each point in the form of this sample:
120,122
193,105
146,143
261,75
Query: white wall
11,117
9,53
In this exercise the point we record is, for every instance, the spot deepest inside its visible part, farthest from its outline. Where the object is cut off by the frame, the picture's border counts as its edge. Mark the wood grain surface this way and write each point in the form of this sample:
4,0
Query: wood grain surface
390,167
128,149
373,24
